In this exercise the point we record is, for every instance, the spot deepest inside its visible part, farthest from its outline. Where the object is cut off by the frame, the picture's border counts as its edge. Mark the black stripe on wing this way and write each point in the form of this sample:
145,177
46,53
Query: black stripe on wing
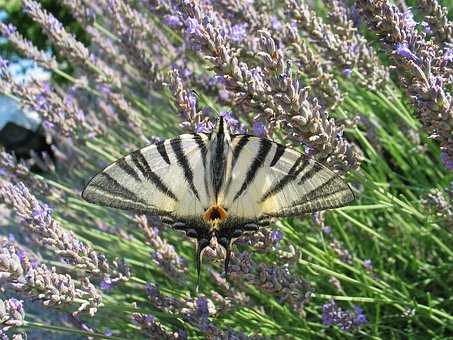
142,164
129,170
202,147
279,151
107,184
163,151
238,148
201,144
288,178
310,173
258,161
319,201
331,187
184,164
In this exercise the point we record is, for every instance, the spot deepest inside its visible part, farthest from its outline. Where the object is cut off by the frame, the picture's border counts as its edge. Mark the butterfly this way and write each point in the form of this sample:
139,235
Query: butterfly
217,186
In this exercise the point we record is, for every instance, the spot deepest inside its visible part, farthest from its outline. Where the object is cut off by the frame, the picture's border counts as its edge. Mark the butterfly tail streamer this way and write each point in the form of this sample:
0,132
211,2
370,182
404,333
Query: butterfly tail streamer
227,261
199,250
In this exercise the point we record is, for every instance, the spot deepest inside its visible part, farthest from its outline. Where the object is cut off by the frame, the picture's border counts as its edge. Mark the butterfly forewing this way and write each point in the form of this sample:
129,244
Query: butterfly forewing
268,179
165,178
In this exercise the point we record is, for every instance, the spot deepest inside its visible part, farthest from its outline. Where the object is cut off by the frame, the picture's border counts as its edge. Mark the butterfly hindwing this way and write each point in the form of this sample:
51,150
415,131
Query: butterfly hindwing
268,179
166,178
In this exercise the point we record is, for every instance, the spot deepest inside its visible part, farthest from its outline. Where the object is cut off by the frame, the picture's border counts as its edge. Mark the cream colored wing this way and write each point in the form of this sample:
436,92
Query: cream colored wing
167,178
267,179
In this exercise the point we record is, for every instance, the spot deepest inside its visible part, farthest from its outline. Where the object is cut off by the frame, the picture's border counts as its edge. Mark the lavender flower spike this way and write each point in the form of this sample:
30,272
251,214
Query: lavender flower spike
68,44
45,284
26,47
11,315
422,69
437,18
37,218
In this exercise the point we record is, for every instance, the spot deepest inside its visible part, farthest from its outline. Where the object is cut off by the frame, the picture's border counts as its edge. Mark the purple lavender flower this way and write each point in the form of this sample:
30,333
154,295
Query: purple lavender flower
347,72
9,29
276,236
327,230
368,264
448,162
257,74
104,89
41,212
214,80
427,27
238,32
355,16
172,21
360,318
106,283
408,19
21,254
3,67
152,290
276,24
202,307
47,125
54,23
192,100
403,50
108,332
259,129
150,319
203,127
193,26
448,55
17,305
346,320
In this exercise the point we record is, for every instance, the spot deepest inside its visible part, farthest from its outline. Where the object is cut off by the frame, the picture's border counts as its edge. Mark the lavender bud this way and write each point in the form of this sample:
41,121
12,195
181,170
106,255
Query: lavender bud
172,21
259,129
403,50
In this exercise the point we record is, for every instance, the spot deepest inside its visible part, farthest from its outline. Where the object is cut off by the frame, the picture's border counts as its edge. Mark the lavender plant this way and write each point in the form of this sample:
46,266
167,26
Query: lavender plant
370,101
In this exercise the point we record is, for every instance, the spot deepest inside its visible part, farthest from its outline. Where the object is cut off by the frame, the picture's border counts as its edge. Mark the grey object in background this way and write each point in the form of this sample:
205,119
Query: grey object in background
20,130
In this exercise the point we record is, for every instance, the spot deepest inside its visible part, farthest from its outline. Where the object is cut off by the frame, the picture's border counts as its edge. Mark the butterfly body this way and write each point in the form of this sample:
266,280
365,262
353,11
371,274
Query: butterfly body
218,186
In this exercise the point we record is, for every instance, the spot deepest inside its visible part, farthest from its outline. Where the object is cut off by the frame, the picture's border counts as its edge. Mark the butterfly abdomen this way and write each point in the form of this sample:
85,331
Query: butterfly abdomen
219,148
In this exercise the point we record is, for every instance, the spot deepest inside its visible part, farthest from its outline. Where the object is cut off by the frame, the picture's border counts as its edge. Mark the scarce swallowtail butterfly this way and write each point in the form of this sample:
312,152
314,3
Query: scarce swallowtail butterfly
217,186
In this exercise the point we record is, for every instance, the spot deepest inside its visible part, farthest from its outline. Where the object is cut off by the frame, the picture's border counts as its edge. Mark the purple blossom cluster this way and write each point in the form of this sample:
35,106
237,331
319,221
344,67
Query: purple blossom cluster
163,253
11,316
333,315
46,284
340,43
58,111
196,311
273,279
423,66
38,219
